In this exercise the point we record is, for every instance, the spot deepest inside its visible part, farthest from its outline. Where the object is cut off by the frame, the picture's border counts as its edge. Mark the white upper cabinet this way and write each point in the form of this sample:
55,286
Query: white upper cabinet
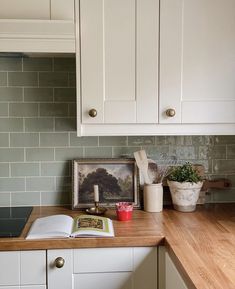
34,9
119,65
37,26
119,61
197,66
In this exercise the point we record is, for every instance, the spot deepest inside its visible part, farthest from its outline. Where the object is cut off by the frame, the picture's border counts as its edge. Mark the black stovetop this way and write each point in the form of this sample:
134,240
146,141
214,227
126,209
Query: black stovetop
13,220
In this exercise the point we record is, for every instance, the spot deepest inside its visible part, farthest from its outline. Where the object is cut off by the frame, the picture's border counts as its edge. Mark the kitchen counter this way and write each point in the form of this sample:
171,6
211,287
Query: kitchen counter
143,230
202,243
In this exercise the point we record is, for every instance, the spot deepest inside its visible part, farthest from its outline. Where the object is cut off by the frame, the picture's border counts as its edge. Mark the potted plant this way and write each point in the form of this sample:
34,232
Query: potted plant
185,184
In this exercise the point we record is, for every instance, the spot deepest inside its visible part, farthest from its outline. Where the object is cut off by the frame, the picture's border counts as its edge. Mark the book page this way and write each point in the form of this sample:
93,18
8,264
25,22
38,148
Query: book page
88,225
55,226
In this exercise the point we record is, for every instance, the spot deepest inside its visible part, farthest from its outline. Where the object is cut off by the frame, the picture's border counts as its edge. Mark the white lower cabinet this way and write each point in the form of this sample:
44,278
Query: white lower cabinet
103,268
100,268
169,276
23,269
117,280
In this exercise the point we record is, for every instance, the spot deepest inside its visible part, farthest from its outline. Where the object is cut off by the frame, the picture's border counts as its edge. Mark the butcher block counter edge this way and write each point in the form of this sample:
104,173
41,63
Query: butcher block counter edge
201,244
142,230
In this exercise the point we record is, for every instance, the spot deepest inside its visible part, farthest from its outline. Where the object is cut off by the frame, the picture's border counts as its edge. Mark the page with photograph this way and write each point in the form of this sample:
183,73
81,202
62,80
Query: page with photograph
89,225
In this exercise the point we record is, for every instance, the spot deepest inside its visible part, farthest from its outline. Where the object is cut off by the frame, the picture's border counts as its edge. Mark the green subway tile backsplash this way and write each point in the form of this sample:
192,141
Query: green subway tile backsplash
25,199
56,169
11,94
23,78
39,124
24,139
10,64
124,152
66,154
54,140
141,140
100,152
53,79
37,64
23,109
11,155
72,79
112,141
65,94
64,64
4,170
55,198
40,184
4,140
12,184
38,137
11,124
5,199
3,79
83,141
38,94
4,109
231,152
40,154
24,169
54,109
65,124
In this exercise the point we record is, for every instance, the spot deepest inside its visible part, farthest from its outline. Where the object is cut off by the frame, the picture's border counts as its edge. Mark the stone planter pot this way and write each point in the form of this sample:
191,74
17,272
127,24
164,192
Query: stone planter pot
184,195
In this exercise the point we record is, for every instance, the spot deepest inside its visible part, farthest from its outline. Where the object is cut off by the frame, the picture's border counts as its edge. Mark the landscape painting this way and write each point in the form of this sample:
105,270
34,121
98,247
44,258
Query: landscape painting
116,180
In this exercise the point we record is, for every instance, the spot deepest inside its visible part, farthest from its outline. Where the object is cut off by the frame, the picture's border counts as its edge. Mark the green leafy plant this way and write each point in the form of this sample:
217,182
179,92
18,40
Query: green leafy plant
184,173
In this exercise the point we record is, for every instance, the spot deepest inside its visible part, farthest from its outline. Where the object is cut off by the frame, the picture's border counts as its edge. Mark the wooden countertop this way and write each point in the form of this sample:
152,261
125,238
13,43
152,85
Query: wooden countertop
201,243
142,230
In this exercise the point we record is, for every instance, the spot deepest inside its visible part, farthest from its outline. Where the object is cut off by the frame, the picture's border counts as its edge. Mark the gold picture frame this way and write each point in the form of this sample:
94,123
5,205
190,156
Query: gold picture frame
117,180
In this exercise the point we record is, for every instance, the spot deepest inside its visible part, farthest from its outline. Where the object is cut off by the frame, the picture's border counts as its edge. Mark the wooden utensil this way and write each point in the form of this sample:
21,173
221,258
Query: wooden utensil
142,163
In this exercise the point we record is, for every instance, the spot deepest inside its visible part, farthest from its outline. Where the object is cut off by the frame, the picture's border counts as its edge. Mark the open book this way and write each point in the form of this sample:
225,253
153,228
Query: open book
63,226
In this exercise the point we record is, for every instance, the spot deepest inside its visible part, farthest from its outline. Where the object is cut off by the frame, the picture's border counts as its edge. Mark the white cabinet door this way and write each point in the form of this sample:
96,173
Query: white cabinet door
23,269
119,61
145,261
60,278
32,267
34,9
104,268
10,272
169,276
197,61
173,277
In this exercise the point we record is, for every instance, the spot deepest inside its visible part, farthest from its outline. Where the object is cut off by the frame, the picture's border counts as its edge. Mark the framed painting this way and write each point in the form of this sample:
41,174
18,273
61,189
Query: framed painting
117,181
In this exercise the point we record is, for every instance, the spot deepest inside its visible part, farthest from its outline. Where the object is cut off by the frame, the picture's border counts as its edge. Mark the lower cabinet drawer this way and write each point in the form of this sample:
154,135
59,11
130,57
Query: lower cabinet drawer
103,260
33,287
103,268
116,280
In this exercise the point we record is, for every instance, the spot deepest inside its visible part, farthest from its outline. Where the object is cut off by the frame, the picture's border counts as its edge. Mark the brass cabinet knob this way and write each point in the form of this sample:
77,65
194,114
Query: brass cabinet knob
92,112
59,262
170,112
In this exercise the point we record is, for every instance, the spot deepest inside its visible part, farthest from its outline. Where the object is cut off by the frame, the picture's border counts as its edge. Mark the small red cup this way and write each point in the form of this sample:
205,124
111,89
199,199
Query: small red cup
124,211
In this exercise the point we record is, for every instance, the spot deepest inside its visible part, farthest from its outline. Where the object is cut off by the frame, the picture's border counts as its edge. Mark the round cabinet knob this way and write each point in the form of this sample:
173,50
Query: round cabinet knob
92,112
59,262
170,112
